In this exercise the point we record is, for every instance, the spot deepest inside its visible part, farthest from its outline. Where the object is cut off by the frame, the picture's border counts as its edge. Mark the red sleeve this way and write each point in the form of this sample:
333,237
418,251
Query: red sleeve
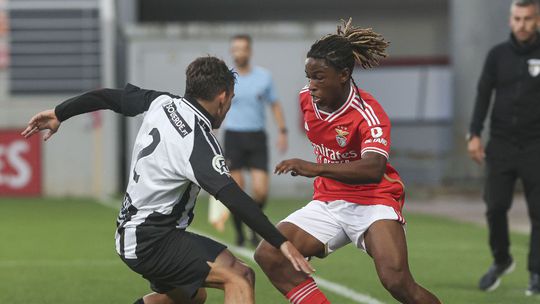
375,129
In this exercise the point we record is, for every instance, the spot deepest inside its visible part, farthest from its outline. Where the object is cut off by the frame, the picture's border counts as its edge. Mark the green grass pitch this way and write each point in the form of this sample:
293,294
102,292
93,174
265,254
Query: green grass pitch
62,251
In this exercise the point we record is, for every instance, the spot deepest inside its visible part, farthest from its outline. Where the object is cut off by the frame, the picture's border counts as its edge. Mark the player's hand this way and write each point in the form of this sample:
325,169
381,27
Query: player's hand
297,167
45,120
476,150
282,143
296,258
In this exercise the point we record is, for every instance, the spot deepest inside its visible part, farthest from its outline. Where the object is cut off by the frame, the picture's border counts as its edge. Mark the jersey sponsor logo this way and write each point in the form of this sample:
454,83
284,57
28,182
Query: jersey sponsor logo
219,164
327,155
376,140
341,136
179,124
534,67
376,132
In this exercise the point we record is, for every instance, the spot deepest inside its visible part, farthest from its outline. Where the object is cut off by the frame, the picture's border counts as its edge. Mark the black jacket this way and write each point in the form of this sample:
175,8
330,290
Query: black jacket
513,71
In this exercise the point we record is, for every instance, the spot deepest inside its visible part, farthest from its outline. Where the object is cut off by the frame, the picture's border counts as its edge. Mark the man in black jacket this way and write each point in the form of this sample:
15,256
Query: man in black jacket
512,69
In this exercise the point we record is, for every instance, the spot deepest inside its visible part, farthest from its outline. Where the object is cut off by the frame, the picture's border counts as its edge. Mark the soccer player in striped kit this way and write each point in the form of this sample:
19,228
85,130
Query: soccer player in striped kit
358,195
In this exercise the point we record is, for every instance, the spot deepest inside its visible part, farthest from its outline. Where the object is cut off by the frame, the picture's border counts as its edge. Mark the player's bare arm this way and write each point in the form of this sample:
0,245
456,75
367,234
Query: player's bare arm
369,169
282,141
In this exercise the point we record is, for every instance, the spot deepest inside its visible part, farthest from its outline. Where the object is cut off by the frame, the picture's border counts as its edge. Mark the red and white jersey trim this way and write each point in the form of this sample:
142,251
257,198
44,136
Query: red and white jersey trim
337,113
359,107
376,150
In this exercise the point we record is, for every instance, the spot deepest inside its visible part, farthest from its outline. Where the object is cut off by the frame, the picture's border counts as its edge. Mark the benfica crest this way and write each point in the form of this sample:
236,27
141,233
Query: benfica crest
534,67
341,137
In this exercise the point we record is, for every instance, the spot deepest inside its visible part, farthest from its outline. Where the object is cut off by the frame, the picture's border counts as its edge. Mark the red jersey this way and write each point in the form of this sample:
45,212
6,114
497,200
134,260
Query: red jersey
357,127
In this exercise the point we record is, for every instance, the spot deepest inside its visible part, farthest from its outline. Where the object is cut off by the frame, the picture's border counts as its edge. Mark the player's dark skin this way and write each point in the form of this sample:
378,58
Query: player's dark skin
385,239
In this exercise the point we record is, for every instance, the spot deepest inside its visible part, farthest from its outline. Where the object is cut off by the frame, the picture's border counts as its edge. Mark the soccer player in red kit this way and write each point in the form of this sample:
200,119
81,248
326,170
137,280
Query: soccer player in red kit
358,195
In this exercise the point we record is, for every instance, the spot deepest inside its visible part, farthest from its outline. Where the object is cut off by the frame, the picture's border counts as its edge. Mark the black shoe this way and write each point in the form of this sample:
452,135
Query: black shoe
534,285
491,280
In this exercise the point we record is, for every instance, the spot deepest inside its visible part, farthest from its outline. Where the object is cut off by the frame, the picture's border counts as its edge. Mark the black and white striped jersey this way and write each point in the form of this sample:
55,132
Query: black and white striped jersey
175,155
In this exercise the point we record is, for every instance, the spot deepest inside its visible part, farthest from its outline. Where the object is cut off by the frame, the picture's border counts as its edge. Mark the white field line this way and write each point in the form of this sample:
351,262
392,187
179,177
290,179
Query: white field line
336,288
60,263
245,253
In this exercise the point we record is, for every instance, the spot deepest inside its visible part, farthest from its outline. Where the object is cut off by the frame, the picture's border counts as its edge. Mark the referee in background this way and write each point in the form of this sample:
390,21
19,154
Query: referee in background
512,70
245,136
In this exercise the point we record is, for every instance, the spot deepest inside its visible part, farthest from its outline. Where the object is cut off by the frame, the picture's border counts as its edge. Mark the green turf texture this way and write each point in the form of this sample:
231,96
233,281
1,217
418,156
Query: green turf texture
62,251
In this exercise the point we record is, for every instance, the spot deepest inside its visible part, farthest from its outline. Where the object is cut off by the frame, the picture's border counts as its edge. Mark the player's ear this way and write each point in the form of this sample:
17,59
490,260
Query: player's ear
344,75
221,99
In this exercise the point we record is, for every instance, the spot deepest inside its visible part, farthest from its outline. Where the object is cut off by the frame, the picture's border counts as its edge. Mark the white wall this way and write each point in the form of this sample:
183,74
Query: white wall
158,56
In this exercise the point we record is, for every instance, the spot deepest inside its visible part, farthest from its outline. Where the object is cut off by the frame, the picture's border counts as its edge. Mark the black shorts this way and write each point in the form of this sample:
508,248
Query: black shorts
246,150
177,261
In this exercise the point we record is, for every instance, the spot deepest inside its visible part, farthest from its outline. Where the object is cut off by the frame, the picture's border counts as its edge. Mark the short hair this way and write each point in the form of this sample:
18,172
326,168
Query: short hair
527,3
245,37
350,45
206,77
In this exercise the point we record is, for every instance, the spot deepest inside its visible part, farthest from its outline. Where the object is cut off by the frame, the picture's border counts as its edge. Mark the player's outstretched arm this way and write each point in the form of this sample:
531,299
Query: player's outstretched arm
369,169
87,102
242,205
129,101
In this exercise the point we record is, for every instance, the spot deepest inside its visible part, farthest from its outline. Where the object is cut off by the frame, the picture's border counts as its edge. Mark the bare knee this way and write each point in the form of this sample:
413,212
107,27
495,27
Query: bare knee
241,275
247,274
397,281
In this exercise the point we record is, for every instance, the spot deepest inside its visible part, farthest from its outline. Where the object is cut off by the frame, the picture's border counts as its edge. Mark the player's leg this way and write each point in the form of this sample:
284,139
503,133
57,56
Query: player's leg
385,243
173,297
257,162
310,229
235,156
296,286
260,186
233,276
530,175
237,222
227,273
275,265
501,176
182,263
260,182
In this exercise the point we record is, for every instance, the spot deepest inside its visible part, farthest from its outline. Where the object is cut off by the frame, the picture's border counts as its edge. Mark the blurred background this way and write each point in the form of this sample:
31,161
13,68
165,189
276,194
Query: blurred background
51,50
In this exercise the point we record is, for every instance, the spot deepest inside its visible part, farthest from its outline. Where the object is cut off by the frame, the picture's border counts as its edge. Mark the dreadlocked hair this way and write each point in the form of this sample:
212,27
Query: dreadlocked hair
349,45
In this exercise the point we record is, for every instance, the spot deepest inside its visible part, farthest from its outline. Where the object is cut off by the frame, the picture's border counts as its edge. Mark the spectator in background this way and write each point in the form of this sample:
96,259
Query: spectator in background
245,136
512,70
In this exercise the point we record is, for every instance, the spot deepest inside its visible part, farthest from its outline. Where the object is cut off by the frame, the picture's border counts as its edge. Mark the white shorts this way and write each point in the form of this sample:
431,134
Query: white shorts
338,223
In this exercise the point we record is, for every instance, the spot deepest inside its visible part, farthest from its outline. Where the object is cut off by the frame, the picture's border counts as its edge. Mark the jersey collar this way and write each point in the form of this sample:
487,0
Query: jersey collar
200,111
332,116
